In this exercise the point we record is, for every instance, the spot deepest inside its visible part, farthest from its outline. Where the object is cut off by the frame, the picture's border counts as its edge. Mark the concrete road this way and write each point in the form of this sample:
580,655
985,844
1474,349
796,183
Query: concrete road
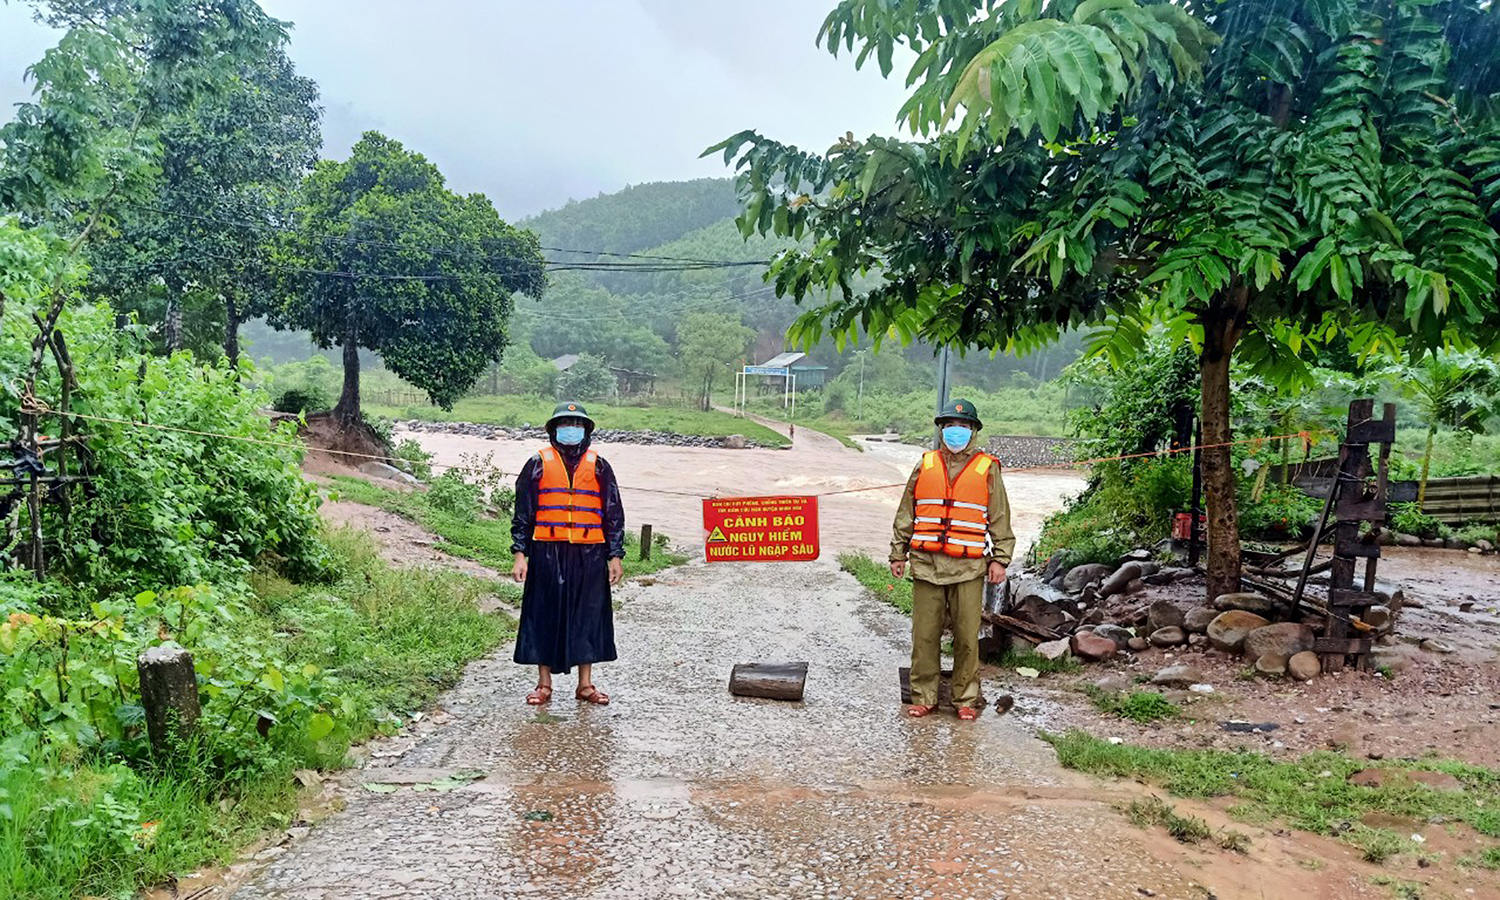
678,789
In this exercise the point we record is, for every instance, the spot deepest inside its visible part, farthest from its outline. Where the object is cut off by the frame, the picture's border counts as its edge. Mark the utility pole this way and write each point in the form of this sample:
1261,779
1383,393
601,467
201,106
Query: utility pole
942,395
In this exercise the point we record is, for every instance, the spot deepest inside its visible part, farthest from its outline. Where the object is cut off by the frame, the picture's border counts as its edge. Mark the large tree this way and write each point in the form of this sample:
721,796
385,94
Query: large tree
383,256
708,343
1258,175
229,164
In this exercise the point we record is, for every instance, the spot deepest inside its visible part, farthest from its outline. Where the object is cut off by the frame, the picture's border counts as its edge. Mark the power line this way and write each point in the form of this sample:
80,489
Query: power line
656,264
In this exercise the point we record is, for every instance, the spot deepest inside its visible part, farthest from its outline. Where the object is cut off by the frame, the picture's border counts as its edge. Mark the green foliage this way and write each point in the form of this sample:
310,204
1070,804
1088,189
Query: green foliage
1142,707
523,372
431,272
301,400
228,165
637,218
1312,793
708,344
1132,408
876,577
1126,505
449,493
330,664
1280,511
414,459
1408,518
587,379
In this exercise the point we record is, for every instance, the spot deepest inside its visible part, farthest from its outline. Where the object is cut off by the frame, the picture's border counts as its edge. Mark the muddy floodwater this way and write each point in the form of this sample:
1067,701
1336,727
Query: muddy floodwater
664,485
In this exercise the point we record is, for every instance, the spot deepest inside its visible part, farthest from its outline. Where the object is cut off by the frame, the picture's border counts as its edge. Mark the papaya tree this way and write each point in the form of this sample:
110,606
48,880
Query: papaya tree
1253,177
383,256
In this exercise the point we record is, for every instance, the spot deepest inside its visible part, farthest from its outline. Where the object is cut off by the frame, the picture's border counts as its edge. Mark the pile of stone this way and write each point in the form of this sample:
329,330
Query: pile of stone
1099,611
1025,451
600,436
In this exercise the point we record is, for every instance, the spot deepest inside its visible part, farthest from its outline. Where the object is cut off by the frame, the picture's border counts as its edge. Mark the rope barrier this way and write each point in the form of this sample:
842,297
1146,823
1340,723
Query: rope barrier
39,408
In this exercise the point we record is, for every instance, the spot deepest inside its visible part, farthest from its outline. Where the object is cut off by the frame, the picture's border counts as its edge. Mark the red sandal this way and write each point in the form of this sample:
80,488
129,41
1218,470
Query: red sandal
541,695
917,710
590,694
967,713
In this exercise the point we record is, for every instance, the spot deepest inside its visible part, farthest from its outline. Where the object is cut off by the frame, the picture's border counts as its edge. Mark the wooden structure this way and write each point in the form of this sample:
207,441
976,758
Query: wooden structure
772,681
1359,497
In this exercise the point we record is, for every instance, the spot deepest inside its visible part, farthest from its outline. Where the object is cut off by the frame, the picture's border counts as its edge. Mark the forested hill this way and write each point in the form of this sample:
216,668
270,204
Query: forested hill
637,218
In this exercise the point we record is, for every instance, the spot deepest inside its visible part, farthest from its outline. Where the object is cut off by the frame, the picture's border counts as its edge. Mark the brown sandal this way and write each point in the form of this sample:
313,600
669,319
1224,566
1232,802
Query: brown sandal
541,695
590,694
917,710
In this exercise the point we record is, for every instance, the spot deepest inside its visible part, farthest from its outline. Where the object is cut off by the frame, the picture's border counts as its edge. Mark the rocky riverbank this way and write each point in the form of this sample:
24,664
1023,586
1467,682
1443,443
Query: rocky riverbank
600,436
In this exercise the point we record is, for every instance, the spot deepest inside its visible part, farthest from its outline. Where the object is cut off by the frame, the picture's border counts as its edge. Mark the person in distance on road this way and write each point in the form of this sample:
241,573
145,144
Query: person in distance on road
568,537
953,530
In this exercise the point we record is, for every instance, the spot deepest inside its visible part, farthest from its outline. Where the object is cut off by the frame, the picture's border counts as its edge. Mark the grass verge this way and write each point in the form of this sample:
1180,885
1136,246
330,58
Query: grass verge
1137,706
483,539
521,410
876,576
102,822
1312,793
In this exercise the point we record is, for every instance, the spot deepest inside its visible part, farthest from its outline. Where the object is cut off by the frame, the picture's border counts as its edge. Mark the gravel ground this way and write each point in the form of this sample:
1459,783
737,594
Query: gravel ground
679,790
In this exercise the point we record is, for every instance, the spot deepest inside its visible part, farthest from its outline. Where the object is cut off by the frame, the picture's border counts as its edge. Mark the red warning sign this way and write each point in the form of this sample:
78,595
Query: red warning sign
760,529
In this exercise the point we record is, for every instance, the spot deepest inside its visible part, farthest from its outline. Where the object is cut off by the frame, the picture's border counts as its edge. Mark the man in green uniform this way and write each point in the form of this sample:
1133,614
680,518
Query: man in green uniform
949,587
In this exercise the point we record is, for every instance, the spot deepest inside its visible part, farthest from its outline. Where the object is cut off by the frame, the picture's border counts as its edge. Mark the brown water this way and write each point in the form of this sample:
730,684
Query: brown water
664,486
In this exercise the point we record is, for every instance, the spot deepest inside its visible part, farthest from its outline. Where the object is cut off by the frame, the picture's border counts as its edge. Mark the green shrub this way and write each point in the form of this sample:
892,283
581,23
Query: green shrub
414,459
1138,706
1408,518
1126,505
451,494
301,400
1282,509
1474,532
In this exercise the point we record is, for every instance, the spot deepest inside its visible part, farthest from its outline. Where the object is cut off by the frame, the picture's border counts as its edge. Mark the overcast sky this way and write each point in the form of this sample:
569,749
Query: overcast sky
534,102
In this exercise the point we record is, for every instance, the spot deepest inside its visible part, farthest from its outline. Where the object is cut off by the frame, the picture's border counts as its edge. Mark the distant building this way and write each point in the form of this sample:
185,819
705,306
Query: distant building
808,375
628,383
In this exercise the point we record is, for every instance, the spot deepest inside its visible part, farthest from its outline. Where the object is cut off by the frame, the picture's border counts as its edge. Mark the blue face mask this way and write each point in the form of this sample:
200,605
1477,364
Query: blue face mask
570,435
956,437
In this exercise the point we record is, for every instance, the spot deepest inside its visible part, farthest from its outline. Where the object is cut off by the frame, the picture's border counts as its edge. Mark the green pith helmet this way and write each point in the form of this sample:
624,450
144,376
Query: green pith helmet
570,410
959,409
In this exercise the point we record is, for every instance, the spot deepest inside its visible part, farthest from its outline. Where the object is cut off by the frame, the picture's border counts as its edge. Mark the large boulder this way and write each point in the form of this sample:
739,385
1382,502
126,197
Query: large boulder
1171,636
1054,566
1053,649
1304,666
1165,614
1168,575
1087,645
1379,618
1078,576
1196,619
1035,602
1271,665
387,473
1119,581
1247,602
1121,636
1284,639
1228,630
1138,645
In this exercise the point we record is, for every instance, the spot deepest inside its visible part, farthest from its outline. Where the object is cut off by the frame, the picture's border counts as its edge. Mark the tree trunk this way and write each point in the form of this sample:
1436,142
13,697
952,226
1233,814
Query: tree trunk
172,325
1221,330
232,332
1426,467
347,411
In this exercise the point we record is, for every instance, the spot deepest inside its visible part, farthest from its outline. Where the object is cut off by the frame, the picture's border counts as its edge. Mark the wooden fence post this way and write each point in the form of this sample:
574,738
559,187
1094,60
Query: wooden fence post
645,542
169,693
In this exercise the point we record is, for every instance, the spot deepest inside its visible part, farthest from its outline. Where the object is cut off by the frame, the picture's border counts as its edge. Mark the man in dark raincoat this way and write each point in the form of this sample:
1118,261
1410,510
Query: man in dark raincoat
568,536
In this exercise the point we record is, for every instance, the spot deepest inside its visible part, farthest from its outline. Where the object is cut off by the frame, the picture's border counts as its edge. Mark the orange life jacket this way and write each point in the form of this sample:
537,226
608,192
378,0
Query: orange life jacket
952,517
569,509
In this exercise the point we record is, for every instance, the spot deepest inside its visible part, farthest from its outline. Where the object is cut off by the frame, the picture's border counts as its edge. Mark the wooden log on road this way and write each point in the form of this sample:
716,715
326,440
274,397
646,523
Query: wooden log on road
772,681
169,694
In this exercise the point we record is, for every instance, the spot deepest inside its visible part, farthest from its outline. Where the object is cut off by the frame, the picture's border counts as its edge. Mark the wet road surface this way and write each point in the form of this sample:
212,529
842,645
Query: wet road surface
678,789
